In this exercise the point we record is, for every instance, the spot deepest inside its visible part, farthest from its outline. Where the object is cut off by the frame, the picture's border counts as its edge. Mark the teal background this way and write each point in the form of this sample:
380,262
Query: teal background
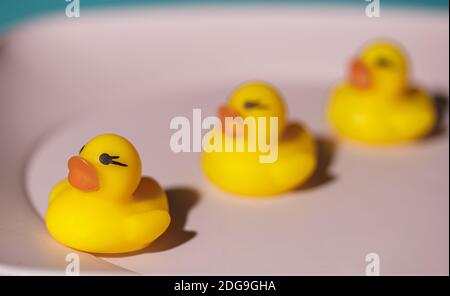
15,11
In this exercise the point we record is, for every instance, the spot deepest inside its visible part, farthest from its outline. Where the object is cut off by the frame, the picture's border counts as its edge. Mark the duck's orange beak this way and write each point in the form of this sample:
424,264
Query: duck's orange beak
82,175
224,112
359,75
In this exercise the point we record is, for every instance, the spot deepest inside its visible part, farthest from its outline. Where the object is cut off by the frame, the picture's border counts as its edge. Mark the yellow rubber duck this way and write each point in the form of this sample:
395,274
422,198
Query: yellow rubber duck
377,104
246,172
104,206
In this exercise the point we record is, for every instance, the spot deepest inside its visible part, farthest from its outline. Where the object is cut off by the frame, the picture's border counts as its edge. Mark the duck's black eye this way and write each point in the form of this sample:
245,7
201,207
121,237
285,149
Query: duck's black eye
81,149
254,104
250,104
107,159
383,62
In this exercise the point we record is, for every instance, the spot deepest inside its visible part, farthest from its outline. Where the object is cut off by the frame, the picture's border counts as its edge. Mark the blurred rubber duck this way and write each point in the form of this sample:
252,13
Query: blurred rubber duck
104,206
377,104
246,172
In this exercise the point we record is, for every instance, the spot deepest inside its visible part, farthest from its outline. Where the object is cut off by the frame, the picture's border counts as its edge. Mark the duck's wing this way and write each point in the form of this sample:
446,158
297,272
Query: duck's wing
291,171
414,118
58,189
149,196
297,157
146,227
296,137
150,213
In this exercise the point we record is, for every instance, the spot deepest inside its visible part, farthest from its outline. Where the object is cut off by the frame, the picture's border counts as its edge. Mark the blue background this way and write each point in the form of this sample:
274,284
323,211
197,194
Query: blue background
14,11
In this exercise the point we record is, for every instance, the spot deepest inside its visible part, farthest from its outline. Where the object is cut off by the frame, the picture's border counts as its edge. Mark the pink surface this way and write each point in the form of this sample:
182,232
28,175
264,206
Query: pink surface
62,82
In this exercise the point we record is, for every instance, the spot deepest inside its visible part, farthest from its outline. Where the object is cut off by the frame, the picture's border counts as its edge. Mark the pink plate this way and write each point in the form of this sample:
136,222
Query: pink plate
63,81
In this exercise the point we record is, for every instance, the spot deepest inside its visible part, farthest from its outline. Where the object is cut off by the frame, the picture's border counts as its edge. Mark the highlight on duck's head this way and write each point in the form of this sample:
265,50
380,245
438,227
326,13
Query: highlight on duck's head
108,165
381,67
255,99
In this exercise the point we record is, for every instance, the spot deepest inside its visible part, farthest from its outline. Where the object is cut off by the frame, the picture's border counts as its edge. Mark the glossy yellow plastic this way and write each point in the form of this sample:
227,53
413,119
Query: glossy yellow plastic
377,104
104,206
243,173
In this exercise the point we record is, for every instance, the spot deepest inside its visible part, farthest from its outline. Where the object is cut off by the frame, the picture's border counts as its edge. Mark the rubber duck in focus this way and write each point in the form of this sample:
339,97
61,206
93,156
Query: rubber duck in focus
104,206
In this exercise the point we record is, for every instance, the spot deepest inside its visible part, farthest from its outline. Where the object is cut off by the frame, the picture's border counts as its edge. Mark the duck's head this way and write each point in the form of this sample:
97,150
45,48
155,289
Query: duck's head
108,165
380,67
255,99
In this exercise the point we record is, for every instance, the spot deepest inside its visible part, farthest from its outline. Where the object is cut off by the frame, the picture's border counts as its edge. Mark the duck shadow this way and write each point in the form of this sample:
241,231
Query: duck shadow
181,201
326,149
440,100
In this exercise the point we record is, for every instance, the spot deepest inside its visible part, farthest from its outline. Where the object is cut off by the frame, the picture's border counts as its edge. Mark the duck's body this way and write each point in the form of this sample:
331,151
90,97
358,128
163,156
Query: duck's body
244,173
250,172
377,104
98,225
368,117
101,221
